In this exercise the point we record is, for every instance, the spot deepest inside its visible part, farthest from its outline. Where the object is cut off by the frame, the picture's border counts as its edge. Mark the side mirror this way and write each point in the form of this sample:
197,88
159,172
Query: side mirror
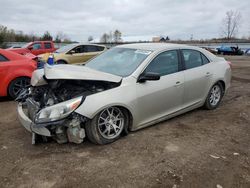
30,48
148,76
72,52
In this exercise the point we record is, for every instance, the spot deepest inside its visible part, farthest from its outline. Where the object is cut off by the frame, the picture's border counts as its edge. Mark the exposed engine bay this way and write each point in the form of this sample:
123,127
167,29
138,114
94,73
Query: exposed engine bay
57,91
51,108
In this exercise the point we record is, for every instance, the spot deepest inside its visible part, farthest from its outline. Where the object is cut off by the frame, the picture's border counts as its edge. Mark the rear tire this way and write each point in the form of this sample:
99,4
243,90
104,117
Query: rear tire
214,96
17,85
107,126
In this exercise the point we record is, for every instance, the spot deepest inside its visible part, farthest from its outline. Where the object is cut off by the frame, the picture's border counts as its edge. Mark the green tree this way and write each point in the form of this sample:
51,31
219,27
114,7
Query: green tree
47,36
58,39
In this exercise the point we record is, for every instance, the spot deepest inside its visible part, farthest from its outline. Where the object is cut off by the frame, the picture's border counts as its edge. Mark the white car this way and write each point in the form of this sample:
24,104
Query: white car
124,89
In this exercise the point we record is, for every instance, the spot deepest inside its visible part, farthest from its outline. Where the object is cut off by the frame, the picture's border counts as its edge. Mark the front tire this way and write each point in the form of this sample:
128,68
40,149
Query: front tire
107,126
214,96
17,85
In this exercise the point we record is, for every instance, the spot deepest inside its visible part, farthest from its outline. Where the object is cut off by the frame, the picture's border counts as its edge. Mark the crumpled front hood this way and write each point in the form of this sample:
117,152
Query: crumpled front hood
71,72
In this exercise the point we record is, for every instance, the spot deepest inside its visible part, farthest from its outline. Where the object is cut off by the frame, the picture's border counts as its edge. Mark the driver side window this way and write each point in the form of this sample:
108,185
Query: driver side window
3,59
78,49
36,46
165,63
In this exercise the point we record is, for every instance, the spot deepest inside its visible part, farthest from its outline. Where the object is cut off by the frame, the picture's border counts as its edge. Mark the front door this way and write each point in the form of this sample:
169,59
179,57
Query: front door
76,55
37,48
156,99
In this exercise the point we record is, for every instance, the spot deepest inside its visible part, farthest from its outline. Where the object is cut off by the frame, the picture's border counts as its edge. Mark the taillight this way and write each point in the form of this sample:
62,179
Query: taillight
35,58
230,64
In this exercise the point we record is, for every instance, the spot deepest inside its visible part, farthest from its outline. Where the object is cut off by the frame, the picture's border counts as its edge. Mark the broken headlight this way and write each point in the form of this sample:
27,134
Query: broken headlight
58,111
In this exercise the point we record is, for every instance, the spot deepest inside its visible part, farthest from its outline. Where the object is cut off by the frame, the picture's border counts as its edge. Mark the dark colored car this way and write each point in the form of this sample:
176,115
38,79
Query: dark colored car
230,50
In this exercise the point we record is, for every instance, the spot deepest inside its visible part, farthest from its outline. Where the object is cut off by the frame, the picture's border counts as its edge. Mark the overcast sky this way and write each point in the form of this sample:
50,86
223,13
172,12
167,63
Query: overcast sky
136,19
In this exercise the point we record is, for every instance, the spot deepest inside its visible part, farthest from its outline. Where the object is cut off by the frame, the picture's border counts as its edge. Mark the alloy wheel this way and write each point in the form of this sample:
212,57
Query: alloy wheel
20,85
111,122
215,95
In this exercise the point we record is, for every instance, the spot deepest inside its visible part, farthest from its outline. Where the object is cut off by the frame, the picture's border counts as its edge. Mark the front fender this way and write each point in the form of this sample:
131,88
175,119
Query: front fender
123,96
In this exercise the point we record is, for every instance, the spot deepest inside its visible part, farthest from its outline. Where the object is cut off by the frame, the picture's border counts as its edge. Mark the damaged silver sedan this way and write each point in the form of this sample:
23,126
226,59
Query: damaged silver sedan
123,89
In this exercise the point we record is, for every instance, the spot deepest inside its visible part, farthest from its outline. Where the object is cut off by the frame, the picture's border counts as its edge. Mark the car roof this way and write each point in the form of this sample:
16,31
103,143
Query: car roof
155,46
92,44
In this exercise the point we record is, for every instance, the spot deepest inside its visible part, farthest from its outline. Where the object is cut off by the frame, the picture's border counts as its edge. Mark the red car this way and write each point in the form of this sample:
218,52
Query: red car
15,72
36,48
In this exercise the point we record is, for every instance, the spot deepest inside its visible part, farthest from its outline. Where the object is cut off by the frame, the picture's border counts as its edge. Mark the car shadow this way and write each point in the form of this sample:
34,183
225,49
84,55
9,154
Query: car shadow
5,99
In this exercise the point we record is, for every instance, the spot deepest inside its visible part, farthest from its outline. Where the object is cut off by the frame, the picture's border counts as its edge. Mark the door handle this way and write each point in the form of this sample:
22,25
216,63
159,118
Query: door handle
208,74
177,83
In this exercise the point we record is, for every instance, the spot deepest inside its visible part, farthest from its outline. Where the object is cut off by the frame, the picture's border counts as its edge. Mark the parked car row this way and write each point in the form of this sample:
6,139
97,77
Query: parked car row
17,64
36,48
74,53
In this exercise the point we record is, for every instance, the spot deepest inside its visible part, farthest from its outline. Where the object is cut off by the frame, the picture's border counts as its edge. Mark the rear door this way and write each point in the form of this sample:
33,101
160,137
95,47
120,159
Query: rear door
91,51
156,99
48,47
197,76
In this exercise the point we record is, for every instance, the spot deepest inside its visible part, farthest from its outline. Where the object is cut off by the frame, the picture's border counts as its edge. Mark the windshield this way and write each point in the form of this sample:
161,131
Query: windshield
119,61
65,49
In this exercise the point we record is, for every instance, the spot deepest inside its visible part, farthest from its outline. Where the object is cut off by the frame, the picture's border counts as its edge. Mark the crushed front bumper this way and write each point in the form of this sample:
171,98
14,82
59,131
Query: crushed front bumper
28,124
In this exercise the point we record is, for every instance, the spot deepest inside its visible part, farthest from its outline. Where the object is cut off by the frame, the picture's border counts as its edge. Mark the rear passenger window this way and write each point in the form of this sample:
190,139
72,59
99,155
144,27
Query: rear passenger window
192,58
165,63
2,58
204,59
90,48
47,45
100,48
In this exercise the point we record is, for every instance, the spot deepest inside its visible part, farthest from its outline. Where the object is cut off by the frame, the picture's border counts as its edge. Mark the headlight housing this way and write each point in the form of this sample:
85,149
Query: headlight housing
58,111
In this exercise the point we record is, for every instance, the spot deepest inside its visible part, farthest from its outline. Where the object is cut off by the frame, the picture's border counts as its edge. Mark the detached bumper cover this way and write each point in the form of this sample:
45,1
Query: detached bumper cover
28,124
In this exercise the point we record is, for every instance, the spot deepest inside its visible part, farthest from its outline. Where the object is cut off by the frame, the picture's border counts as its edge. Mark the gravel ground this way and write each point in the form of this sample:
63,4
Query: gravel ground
198,149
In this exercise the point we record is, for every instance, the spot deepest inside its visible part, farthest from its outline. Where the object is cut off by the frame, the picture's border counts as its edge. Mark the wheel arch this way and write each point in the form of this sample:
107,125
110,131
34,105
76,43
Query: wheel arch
122,107
10,81
66,62
130,118
222,83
